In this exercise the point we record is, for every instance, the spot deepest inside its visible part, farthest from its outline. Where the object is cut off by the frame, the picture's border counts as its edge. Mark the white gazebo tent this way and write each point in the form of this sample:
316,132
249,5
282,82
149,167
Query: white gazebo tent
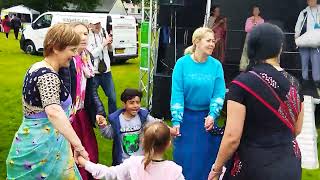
21,9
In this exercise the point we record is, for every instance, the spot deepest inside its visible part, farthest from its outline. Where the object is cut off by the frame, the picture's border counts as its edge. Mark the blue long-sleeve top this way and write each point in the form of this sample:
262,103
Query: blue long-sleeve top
197,86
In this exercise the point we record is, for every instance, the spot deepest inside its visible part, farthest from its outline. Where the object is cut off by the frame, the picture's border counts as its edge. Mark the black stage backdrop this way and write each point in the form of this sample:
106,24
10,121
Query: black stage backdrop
184,20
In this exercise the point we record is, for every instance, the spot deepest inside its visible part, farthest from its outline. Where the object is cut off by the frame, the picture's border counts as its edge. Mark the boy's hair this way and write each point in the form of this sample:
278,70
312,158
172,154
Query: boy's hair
130,94
156,137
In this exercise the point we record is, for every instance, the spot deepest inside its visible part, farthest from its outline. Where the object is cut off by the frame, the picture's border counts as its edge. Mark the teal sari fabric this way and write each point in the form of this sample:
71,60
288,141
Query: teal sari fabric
39,151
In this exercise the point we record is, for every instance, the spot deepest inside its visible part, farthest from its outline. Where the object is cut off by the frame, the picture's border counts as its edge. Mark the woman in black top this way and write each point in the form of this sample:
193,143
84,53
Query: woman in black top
265,110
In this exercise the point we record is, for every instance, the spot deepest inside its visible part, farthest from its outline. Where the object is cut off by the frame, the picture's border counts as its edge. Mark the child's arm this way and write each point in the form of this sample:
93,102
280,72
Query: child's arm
98,171
152,119
181,177
105,129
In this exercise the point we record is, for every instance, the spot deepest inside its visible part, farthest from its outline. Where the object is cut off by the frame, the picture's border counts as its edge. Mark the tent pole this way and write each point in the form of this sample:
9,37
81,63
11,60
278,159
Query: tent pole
206,19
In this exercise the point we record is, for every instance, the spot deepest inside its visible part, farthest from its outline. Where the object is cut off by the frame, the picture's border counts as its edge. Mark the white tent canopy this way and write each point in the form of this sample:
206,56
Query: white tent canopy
21,9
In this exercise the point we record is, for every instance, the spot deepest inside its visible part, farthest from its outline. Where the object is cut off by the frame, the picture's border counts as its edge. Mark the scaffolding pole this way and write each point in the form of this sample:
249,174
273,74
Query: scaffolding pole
149,15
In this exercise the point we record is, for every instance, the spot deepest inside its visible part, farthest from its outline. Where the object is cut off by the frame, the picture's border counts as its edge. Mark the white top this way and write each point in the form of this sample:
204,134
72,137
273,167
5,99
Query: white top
133,169
96,48
313,17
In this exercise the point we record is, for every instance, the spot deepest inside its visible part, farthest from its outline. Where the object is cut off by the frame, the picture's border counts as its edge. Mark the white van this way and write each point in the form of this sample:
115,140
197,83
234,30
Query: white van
122,27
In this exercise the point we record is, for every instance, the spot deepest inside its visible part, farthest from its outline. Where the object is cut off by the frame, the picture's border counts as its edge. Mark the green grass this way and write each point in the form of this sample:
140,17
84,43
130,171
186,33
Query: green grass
13,65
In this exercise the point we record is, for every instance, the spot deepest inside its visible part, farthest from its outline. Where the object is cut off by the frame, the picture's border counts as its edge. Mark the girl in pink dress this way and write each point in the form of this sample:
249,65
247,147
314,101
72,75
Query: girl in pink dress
156,140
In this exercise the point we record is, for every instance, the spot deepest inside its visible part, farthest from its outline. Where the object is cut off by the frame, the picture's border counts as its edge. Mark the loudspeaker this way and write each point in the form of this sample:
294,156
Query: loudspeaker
171,2
161,96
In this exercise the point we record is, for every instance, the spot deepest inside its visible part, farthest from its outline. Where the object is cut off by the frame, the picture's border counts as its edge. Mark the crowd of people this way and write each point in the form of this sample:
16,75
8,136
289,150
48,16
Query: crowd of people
61,106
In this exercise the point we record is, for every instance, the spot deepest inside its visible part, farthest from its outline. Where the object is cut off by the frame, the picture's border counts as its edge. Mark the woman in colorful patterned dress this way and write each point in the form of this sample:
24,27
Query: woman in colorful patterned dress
264,115
41,148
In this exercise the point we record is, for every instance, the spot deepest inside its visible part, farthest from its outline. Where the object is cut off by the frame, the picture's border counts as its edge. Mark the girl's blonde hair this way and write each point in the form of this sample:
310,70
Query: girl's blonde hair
156,138
198,34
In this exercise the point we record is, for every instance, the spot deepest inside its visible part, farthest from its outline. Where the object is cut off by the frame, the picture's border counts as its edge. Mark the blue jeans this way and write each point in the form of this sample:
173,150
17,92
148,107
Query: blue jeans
306,55
106,82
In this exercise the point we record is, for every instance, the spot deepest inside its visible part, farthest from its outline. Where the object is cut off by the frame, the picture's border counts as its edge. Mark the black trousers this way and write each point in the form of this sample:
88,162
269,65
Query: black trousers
16,32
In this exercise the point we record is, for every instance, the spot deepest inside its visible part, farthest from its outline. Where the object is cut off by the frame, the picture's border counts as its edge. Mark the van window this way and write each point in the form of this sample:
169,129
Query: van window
43,22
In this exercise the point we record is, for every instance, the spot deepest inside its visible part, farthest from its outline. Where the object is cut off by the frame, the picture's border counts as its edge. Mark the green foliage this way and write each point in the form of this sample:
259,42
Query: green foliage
133,1
52,5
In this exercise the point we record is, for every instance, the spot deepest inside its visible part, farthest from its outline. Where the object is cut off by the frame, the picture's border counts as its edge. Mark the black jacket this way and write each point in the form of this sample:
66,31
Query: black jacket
92,102
16,23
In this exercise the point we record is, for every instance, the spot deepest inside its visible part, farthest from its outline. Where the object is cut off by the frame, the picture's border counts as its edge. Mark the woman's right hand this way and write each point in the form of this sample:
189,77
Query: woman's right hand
107,41
80,151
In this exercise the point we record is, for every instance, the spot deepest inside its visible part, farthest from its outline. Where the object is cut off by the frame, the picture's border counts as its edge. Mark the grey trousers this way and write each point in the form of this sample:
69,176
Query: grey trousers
313,55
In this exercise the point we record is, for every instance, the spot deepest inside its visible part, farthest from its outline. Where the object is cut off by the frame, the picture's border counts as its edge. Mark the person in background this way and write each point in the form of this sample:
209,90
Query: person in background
308,20
264,116
41,148
16,25
99,43
6,24
251,22
86,104
198,91
218,24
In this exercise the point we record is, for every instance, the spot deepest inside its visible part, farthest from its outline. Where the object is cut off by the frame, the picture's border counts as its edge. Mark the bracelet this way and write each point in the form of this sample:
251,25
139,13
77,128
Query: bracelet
215,172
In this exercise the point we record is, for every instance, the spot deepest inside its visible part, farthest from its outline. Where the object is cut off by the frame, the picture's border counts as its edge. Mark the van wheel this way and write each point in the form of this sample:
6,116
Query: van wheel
29,48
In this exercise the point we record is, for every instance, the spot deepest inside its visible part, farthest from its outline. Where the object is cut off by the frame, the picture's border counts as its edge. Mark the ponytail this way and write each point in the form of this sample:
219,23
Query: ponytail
190,50
148,155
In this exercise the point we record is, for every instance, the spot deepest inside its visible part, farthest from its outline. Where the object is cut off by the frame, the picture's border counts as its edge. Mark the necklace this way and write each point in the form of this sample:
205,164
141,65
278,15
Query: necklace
48,64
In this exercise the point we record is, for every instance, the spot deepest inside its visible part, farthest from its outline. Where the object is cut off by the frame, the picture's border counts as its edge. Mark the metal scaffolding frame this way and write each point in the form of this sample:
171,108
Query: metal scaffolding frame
150,10
149,14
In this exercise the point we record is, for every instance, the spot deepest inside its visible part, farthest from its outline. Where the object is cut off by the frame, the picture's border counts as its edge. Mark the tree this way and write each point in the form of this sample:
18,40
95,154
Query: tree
86,5
133,1
52,5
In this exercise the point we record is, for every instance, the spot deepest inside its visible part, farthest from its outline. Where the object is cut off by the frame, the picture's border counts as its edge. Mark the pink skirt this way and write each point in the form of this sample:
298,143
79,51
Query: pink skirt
83,128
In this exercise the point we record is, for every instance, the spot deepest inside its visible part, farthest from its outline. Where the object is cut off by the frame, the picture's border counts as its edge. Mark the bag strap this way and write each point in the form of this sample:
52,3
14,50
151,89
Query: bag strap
305,15
282,104
95,40
265,103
